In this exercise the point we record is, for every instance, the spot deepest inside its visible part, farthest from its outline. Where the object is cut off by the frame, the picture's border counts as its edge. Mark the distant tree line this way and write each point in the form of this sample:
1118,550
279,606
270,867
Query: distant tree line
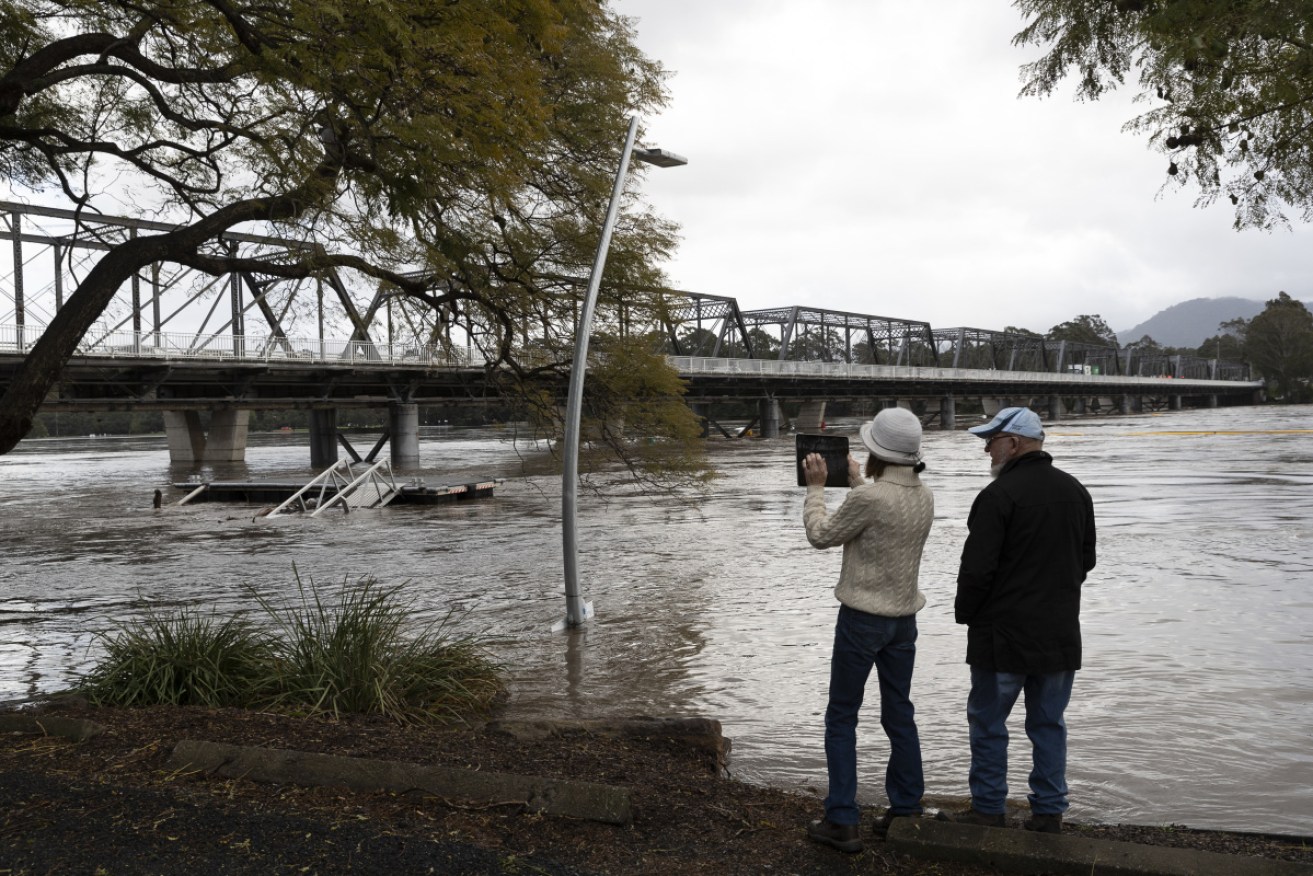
1277,343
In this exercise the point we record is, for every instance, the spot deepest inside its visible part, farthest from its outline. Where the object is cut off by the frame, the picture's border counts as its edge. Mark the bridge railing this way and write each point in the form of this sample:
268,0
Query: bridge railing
697,365
272,349
175,346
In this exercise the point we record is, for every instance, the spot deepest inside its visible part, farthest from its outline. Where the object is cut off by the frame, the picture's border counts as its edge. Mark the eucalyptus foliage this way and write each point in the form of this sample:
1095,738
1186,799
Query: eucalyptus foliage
1279,343
1229,84
1085,329
633,397
459,155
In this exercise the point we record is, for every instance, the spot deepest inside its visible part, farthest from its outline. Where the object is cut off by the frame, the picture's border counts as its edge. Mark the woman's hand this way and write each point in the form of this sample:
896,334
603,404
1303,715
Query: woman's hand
855,478
814,470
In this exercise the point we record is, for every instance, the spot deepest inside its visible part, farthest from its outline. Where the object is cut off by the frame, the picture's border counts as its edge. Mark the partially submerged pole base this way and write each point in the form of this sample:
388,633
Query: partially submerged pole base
574,619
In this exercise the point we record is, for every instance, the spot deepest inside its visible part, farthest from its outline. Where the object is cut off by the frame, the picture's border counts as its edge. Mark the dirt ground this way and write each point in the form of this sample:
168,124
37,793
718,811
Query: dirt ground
110,806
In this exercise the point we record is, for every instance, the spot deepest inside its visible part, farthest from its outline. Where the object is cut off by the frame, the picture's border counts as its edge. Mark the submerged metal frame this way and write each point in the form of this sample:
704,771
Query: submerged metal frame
378,476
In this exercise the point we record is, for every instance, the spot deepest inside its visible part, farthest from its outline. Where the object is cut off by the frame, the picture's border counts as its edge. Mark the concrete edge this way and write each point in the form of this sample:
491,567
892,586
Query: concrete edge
559,797
1011,850
76,729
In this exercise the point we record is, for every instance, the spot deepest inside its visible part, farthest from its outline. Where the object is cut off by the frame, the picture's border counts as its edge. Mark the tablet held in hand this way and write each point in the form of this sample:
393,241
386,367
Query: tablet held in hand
834,449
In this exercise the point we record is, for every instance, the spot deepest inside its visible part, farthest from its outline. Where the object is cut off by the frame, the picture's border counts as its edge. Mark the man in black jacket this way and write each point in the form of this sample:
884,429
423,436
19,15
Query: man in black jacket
1030,544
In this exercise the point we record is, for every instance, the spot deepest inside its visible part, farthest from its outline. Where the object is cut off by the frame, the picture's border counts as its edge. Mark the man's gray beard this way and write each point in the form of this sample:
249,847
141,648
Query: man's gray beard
996,470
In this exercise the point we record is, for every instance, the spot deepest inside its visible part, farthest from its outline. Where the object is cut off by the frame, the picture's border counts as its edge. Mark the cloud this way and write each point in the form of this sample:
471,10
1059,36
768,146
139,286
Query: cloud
875,157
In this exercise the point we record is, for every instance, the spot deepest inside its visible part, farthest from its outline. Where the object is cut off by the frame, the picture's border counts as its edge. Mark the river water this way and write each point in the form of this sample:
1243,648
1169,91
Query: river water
1195,705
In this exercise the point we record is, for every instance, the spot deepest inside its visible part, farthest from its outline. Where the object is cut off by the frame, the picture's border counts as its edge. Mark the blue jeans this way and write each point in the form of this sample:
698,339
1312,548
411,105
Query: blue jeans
889,643
988,705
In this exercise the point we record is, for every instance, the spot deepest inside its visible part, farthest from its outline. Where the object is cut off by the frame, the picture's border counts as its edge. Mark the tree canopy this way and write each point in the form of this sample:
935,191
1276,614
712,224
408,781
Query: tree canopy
1279,343
1229,82
461,154
1228,343
1084,329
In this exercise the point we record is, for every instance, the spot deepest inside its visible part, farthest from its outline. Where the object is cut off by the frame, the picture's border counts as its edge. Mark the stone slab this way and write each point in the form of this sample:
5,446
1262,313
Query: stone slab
1011,850
76,729
573,799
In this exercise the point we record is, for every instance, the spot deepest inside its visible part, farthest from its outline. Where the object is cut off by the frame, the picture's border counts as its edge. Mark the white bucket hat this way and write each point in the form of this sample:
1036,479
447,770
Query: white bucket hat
894,436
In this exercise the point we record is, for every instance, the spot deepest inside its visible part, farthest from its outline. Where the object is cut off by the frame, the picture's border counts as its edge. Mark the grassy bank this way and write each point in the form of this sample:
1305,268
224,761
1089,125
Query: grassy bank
352,651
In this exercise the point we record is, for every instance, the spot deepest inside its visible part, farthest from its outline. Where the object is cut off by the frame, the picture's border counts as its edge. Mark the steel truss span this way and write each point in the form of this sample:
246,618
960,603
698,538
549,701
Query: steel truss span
172,333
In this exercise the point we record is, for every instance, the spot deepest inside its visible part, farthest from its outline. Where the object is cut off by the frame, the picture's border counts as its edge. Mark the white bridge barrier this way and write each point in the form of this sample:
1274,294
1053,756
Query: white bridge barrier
691,366
174,346
239,348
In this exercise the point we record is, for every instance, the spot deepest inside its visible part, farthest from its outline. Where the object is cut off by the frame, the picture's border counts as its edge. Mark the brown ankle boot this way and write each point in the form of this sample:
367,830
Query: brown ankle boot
1044,823
844,837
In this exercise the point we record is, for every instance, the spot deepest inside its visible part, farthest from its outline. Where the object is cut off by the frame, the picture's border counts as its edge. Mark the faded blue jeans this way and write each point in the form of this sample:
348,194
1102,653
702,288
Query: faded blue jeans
861,641
992,697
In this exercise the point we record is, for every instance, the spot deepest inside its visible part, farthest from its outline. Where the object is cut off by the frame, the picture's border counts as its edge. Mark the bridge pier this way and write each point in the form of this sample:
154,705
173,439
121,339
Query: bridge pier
190,442
323,437
768,415
702,411
1124,404
811,418
1212,401
185,435
947,413
1174,403
403,424
1079,407
1055,407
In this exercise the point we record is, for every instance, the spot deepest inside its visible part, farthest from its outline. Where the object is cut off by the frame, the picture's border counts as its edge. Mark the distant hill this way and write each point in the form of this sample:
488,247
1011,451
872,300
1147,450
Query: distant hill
1191,322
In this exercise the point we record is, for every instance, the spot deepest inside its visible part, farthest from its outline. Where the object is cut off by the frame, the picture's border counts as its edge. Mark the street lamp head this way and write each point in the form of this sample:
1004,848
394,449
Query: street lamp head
660,157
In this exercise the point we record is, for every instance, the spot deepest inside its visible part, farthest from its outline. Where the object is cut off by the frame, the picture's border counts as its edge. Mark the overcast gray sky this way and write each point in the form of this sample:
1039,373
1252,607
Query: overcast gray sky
874,156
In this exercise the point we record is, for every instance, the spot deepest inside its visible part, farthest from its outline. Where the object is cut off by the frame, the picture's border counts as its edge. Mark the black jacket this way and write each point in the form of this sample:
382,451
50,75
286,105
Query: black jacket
1031,542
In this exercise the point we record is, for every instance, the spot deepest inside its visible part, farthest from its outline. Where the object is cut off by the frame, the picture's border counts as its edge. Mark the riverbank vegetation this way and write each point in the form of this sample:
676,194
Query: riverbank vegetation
353,652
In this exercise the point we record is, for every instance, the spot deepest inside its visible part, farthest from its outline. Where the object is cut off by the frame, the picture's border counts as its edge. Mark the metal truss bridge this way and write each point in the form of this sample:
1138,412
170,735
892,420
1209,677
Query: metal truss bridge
176,339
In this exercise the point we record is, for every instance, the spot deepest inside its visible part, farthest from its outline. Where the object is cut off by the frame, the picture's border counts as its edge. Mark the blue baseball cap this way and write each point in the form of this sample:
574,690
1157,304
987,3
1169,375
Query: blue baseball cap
1013,421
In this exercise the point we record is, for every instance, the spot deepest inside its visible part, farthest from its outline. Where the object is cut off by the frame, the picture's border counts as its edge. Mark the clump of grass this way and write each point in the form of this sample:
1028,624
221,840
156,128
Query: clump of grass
355,654
183,659
359,656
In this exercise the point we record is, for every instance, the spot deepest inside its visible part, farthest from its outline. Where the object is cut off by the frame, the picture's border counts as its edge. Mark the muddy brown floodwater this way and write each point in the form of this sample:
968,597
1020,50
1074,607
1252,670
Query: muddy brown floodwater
1194,707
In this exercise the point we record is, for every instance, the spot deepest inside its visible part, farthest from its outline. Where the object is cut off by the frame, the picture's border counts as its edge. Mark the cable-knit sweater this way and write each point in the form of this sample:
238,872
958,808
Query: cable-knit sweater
882,526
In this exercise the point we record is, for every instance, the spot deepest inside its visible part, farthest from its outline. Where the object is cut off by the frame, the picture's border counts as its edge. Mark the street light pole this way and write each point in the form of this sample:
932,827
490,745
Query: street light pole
576,609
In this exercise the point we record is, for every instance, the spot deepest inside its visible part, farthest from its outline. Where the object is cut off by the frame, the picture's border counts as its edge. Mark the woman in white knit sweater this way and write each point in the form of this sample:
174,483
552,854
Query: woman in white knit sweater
882,526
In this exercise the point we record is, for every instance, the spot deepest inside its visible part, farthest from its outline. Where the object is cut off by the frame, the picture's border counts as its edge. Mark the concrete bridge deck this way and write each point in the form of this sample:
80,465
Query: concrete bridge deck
183,377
